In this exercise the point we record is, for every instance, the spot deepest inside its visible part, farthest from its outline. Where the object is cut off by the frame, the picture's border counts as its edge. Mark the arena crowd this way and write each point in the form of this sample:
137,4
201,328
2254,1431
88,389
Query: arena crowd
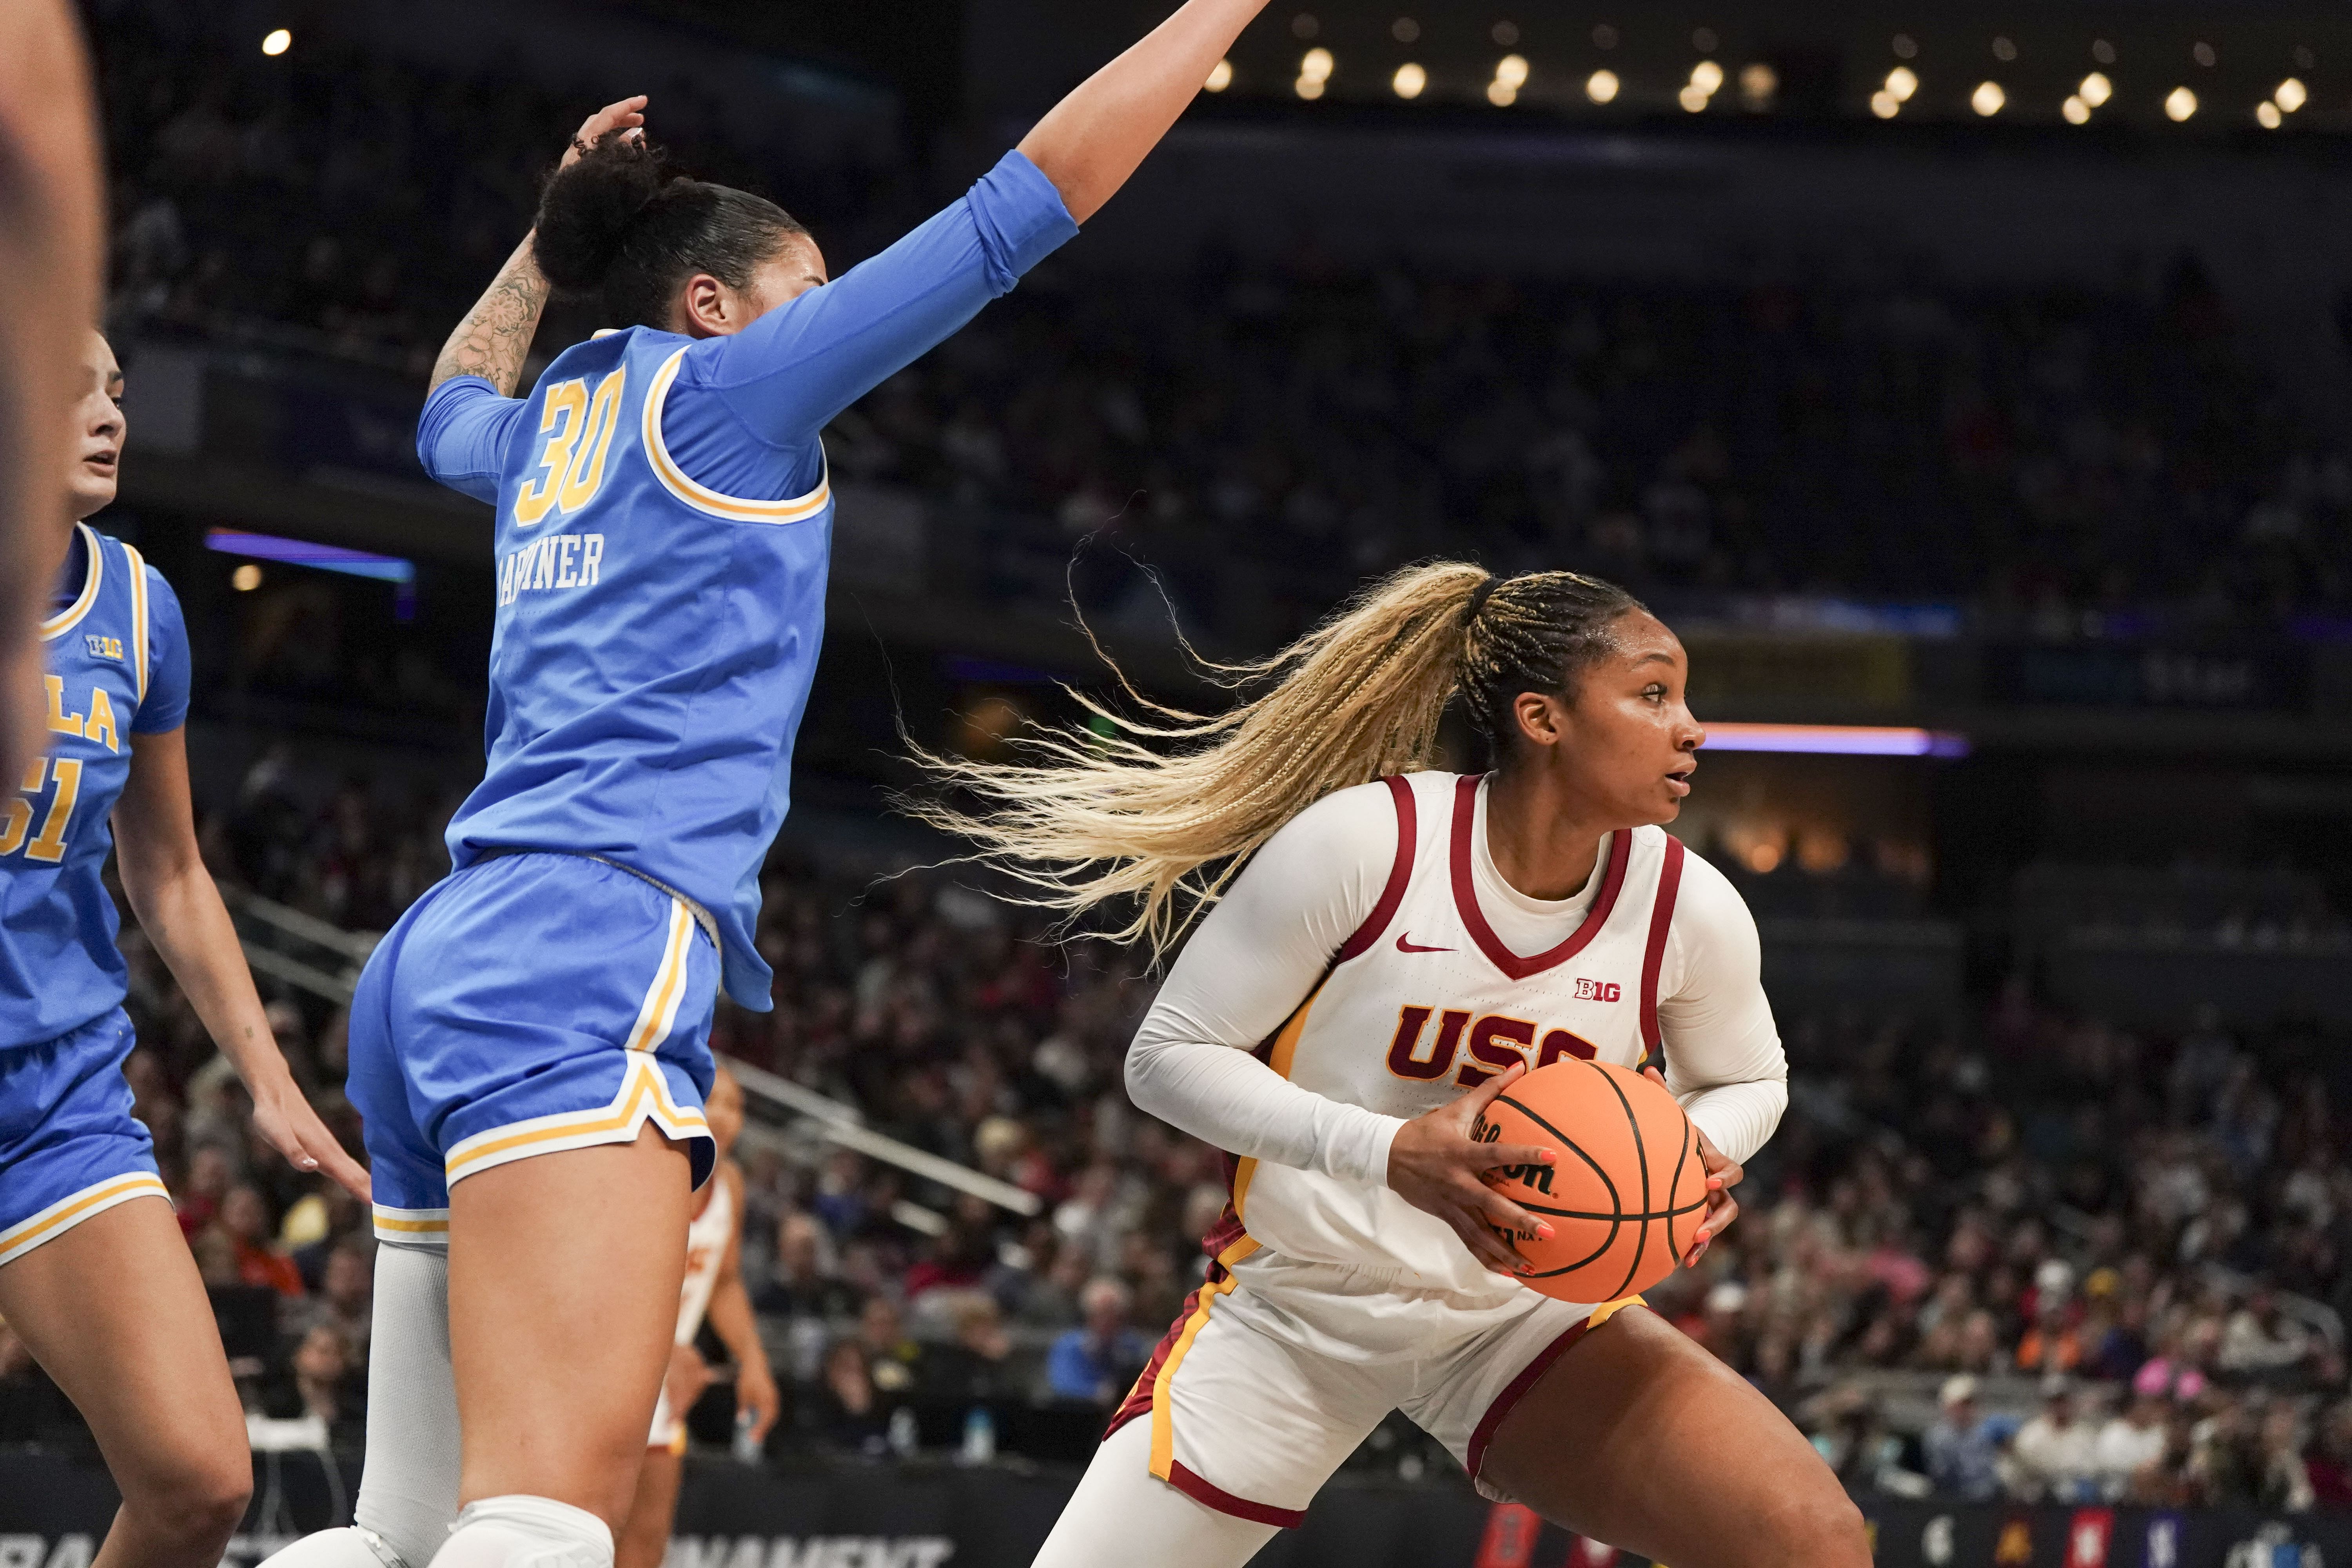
2021,1253
2103,461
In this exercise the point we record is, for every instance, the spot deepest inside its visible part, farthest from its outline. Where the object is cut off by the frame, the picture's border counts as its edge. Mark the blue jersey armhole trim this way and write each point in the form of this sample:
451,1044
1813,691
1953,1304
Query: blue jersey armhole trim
702,498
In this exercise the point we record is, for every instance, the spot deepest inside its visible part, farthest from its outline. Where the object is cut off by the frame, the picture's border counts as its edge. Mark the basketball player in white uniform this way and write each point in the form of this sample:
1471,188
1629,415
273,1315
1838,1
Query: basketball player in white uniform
714,1285
1392,955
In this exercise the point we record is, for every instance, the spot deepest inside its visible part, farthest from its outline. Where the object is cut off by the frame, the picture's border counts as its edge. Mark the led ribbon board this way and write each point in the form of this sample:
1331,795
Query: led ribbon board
1837,740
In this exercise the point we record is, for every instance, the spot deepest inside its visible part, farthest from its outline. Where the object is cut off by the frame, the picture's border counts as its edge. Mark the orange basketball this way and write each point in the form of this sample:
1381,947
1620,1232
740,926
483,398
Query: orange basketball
1627,1190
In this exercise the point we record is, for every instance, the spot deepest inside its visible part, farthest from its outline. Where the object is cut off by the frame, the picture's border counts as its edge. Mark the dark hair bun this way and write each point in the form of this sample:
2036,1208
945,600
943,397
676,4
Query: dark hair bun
586,211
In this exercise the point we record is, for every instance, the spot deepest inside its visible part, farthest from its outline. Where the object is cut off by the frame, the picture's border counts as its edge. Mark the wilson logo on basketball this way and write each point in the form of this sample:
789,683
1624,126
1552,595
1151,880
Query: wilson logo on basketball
1537,1177
1599,991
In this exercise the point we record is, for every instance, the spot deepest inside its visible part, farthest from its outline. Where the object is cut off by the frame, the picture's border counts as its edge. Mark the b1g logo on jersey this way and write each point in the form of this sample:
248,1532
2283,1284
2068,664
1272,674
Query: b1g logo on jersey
1599,991
103,648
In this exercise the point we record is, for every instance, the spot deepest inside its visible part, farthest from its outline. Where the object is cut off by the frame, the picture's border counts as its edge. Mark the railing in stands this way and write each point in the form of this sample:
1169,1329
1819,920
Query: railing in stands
816,1116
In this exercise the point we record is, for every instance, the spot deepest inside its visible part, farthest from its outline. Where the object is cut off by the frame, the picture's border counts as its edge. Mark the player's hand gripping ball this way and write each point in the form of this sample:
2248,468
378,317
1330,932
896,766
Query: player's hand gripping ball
1627,1192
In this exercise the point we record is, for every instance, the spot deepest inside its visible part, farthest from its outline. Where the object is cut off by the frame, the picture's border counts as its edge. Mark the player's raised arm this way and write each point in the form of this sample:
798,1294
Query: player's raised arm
795,349
1094,139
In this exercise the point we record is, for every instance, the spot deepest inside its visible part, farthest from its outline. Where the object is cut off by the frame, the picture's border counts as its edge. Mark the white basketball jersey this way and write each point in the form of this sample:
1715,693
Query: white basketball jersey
1424,1002
706,1236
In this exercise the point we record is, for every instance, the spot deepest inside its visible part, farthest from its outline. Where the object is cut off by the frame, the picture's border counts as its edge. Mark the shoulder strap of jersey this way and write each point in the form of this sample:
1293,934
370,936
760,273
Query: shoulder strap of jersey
137,616
1399,874
1653,956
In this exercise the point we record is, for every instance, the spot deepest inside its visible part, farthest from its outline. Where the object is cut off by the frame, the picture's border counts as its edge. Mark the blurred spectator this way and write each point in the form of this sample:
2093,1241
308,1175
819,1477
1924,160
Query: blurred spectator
800,1283
2226,1466
849,1414
2262,1339
2286,1483
2329,1467
2054,1455
1098,1360
211,1173
245,1220
2130,1445
319,1382
975,1367
346,1295
894,1363
959,1261
1963,1448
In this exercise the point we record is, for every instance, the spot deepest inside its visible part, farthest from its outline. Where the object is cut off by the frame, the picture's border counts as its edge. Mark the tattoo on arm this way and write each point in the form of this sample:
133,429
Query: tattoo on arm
495,336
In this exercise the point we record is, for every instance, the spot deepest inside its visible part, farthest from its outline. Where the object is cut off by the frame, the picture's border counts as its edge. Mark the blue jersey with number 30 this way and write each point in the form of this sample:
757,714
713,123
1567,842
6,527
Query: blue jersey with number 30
116,657
664,523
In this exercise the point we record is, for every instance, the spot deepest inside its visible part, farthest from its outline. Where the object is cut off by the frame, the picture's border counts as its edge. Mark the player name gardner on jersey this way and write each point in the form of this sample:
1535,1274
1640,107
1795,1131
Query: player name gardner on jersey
557,560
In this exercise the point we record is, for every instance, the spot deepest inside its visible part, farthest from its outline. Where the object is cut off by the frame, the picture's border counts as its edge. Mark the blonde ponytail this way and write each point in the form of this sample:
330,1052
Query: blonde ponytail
1101,816
1098,816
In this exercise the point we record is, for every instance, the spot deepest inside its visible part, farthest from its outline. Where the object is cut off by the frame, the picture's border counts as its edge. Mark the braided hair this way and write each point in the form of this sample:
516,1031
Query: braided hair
1161,812
1535,632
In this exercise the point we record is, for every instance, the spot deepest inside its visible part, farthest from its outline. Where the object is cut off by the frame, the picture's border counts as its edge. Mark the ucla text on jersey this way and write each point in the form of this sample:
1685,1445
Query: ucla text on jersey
117,662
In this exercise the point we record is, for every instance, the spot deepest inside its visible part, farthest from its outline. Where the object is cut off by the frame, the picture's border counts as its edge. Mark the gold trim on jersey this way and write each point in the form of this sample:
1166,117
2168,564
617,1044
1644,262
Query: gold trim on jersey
70,1211
1163,1406
702,498
63,621
137,619
1285,1050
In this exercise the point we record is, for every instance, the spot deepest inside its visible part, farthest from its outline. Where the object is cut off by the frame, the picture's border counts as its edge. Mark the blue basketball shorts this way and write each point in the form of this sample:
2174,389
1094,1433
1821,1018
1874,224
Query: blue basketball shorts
69,1147
527,1005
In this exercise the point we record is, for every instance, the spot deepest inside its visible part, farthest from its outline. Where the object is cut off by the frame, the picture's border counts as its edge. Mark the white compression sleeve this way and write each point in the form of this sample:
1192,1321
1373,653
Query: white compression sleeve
408,1489
1723,1059
1254,959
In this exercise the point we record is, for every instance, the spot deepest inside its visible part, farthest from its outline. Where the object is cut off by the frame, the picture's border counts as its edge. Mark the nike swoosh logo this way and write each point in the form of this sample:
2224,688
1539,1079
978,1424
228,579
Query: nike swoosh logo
1405,946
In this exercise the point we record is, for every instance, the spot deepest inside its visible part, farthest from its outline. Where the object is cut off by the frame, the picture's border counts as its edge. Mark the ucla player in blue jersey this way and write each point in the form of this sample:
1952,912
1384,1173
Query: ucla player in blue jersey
529,1045
94,1274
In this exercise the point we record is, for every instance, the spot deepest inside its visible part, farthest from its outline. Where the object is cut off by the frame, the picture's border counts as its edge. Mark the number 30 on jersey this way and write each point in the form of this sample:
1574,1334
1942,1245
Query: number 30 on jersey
579,431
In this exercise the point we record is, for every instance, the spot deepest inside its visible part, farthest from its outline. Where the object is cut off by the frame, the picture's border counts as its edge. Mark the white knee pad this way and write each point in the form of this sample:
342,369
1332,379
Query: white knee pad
526,1532
350,1547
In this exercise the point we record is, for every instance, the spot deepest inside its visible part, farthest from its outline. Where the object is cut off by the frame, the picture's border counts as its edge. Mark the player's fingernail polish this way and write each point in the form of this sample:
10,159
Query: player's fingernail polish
1543,1233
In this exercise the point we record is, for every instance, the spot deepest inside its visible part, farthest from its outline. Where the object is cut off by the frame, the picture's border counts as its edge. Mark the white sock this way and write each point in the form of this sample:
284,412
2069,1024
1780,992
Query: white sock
526,1532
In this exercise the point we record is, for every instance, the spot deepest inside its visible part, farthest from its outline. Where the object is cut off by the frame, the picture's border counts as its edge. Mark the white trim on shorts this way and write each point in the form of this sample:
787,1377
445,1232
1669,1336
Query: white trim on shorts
71,1210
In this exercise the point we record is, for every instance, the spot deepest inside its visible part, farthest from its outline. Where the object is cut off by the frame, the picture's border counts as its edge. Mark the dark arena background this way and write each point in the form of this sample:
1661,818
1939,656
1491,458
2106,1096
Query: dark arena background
1970,385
